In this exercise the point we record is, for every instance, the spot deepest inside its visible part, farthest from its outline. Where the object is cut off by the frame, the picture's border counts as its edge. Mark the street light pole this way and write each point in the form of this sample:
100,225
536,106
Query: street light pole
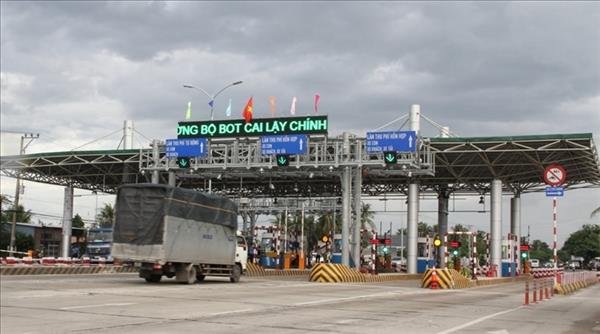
212,97
13,230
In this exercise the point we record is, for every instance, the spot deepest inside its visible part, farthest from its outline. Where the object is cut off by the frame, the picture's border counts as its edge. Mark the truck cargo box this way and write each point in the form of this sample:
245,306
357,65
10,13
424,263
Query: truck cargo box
160,223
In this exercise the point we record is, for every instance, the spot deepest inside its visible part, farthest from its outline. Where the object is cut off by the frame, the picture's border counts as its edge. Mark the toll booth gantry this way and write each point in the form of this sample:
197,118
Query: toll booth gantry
337,167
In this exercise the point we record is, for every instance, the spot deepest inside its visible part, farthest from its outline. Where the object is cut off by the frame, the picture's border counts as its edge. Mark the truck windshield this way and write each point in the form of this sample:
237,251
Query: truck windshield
100,236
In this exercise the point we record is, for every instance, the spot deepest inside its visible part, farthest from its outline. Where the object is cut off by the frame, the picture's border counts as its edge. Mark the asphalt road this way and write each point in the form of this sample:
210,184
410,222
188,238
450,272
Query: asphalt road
123,303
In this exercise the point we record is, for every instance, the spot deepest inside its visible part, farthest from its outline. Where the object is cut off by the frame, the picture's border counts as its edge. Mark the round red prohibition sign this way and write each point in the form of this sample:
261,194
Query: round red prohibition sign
555,175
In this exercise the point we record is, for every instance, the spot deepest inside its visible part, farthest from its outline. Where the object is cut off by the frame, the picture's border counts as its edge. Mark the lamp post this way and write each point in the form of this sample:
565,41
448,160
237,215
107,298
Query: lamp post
212,97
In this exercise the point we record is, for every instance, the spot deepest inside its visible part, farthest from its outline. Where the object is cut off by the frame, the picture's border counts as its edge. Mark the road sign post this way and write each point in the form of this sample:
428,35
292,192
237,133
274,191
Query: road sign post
554,176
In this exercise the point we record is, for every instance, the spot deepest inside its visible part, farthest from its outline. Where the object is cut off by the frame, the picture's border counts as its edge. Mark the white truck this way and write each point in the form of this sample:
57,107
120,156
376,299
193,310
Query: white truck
175,232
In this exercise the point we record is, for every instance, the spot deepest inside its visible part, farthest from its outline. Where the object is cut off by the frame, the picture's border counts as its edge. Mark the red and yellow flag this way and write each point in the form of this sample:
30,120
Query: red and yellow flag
248,111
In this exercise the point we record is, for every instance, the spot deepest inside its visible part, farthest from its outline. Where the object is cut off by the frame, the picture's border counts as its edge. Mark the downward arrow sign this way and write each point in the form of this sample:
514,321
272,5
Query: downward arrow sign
281,160
389,157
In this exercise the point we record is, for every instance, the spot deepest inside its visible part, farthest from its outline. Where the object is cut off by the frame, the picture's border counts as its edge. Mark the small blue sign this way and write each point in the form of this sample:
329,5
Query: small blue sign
283,144
386,141
189,147
555,191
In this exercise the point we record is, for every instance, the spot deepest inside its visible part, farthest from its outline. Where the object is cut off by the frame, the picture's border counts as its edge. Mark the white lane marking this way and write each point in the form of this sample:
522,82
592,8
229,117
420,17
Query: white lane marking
232,312
331,300
96,305
502,331
471,323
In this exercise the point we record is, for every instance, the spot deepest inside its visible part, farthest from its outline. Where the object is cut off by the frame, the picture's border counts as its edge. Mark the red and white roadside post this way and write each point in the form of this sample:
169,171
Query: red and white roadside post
554,176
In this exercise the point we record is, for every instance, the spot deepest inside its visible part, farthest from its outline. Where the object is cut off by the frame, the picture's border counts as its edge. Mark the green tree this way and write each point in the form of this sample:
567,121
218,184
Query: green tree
541,251
77,221
22,215
584,242
106,216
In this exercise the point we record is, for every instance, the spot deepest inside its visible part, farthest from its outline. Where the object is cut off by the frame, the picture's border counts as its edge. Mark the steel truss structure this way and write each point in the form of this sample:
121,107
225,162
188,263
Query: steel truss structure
236,167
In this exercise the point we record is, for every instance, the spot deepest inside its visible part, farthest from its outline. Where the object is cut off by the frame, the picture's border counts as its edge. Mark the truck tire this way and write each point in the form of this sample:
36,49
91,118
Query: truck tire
236,272
186,274
153,278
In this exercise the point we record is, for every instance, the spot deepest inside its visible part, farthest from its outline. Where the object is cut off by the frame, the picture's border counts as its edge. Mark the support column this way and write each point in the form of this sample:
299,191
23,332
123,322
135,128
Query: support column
67,221
443,197
496,225
346,191
412,226
155,161
357,216
128,135
515,224
172,179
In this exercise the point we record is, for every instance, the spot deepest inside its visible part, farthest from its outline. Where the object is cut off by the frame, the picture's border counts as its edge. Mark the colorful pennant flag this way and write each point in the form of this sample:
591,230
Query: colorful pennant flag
248,111
228,111
293,108
188,113
272,104
317,98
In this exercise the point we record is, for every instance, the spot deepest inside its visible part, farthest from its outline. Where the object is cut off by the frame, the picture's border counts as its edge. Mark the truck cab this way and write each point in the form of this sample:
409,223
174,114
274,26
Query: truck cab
241,252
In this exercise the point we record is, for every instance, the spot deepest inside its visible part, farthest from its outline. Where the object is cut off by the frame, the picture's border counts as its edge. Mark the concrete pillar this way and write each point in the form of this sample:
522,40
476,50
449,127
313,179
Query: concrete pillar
346,192
172,179
128,135
412,226
155,161
67,221
443,197
415,118
496,225
445,132
357,216
515,224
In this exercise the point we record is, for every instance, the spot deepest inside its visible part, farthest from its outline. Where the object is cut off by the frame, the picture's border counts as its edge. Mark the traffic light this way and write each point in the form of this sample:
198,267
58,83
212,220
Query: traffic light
524,255
283,160
183,162
455,244
437,242
390,157
385,250
325,238
455,252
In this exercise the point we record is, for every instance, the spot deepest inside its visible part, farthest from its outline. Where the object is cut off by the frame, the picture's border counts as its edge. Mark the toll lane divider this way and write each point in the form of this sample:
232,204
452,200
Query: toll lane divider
339,273
571,282
70,270
255,270
444,278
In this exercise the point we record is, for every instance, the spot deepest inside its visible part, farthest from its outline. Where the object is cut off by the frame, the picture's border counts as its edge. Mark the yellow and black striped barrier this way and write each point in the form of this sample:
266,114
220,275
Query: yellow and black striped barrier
256,270
66,270
444,278
335,273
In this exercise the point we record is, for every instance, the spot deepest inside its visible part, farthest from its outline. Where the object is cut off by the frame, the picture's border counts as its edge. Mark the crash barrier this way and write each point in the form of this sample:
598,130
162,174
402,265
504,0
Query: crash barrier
335,273
49,261
538,289
443,278
64,270
255,270
571,282
339,273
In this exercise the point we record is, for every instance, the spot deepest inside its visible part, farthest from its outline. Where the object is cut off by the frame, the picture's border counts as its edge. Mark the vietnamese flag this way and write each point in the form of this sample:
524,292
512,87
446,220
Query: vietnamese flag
248,111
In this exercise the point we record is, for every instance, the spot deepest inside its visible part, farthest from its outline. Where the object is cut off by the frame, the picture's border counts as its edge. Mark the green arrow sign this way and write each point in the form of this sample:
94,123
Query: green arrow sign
183,162
282,160
390,157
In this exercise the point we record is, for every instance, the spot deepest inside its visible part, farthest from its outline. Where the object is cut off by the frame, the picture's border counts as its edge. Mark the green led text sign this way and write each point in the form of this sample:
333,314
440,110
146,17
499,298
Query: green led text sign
258,127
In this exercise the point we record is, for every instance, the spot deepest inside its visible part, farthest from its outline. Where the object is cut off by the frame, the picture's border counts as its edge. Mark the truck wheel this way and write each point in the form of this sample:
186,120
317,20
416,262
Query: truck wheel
236,273
153,278
186,274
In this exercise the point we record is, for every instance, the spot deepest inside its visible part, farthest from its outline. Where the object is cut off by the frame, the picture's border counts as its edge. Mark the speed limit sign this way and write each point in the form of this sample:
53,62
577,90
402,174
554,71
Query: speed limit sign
555,175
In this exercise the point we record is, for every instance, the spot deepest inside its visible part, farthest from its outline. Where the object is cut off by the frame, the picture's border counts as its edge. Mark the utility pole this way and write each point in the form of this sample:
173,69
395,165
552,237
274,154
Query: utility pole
13,229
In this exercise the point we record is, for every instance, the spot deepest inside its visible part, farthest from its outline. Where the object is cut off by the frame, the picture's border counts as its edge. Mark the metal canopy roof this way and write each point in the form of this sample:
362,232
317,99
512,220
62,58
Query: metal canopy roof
462,164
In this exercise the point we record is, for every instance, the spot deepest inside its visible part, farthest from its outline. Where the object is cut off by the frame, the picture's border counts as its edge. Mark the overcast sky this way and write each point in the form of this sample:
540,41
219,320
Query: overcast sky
74,71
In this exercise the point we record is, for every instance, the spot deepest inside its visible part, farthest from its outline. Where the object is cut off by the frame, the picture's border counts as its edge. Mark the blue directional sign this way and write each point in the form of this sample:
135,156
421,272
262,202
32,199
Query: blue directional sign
283,144
190,147
390,141
555,191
